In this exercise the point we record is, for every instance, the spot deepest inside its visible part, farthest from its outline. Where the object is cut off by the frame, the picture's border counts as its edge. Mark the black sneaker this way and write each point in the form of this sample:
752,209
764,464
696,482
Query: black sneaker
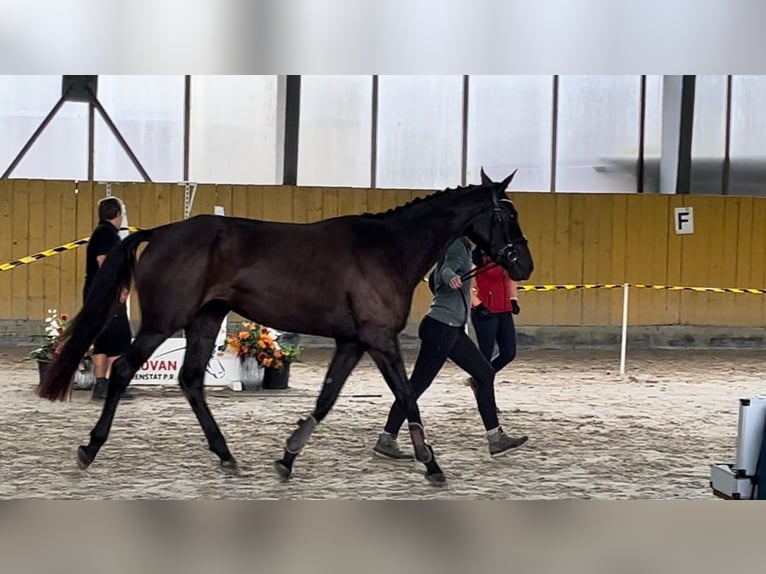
500,443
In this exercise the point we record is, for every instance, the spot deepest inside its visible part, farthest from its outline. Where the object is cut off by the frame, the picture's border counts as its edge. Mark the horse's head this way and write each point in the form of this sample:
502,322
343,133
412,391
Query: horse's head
498,233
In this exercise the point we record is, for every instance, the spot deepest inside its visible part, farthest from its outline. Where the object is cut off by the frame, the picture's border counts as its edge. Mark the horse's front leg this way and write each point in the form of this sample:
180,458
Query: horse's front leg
346,357
388,359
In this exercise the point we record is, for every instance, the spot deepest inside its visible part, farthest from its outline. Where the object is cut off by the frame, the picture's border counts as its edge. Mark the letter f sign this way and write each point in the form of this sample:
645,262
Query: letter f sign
684,220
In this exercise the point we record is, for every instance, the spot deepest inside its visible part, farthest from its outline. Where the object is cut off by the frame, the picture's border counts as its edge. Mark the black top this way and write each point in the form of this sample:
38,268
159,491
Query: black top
104,238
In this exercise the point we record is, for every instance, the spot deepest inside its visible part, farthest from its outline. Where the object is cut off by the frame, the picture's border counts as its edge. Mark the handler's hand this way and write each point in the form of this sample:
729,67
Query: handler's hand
455,282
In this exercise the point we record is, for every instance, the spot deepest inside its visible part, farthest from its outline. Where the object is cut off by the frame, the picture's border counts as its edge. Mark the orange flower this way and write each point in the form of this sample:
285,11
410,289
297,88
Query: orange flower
261,343
64,317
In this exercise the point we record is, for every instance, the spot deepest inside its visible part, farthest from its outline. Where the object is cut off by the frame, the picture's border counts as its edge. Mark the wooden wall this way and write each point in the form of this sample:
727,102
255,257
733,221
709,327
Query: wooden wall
575,238
616,238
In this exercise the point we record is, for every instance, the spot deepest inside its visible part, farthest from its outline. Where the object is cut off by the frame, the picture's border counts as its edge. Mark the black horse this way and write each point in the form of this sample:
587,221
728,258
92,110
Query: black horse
350,278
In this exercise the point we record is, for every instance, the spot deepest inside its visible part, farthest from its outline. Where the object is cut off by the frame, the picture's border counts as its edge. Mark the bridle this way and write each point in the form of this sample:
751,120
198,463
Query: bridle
508,252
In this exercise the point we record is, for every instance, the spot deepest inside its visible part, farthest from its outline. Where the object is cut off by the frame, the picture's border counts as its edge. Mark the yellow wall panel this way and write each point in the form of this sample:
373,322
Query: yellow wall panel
36,307
674,261
597,261
346,203
330,203
204,200
536,219
69,295
6,251
756,266
223,197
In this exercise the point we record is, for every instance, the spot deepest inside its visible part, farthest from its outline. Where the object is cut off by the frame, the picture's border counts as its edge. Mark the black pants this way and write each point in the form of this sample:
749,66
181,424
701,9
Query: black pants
115,338
438,343
496,328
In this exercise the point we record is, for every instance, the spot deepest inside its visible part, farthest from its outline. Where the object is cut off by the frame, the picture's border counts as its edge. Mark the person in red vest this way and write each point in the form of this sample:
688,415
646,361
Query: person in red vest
494,302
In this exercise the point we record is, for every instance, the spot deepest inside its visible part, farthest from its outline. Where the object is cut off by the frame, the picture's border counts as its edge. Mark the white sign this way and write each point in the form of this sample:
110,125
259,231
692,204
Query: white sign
163,367
684,220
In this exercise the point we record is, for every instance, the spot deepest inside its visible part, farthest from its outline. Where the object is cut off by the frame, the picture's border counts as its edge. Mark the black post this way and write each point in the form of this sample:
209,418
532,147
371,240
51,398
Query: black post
91,143
292,122
554,130
641,136
374,131
725,176
187,124
464,134
683,180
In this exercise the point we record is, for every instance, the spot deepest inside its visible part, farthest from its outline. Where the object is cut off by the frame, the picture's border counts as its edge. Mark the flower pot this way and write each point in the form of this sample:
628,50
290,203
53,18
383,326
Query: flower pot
250,374
84,380
276,378
42,367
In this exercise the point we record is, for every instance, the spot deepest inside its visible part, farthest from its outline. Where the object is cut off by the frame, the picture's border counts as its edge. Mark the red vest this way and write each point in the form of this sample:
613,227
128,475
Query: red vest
494,290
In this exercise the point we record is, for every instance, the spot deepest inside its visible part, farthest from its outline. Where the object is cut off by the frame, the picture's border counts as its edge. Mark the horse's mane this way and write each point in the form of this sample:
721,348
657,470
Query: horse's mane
418,200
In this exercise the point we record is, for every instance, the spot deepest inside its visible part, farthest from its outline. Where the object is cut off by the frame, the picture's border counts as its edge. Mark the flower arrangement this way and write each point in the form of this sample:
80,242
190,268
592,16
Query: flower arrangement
264,344
55,325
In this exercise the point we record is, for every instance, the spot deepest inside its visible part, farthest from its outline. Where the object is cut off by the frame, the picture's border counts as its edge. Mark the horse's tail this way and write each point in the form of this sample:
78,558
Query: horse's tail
116,272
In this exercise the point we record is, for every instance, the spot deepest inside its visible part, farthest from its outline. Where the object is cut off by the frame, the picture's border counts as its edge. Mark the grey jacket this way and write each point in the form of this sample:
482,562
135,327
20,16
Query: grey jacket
451,306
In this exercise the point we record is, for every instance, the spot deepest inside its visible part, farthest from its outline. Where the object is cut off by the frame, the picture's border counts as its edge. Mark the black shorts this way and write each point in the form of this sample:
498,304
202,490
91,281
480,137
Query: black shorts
114,340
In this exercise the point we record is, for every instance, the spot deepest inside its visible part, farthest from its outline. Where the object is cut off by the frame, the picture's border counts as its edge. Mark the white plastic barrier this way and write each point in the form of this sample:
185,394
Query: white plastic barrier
738,481
163,366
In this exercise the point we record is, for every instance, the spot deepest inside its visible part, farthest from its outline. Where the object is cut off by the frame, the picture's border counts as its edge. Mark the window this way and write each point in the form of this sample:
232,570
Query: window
509,127
708,134
598,129
420,131
335,144
148,111
233,132
748,126
61,151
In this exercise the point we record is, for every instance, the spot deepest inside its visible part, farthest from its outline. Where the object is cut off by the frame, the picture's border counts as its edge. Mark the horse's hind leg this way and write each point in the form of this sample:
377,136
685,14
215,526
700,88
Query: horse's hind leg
200,339
388,358
346,357
122,372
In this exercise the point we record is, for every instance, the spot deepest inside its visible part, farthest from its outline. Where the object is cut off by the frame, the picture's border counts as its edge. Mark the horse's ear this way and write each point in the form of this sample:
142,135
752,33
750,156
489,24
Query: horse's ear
484,178
507,180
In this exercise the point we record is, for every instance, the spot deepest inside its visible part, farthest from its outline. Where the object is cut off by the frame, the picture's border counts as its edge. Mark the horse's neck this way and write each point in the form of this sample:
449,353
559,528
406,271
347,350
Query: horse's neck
427,228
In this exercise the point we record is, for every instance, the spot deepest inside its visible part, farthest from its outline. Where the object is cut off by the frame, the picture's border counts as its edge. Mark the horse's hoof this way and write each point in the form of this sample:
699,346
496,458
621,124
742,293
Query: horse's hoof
83,460
282,469
230,467
436,478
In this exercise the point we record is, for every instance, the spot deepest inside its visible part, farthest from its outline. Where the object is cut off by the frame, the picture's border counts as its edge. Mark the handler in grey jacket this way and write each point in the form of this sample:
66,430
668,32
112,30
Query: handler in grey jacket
442,334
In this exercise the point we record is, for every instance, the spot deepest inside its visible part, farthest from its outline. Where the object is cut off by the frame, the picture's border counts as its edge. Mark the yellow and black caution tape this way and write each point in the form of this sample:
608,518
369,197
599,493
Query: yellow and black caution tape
579,286
574,287
50,252
699,289
43,254
569,287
